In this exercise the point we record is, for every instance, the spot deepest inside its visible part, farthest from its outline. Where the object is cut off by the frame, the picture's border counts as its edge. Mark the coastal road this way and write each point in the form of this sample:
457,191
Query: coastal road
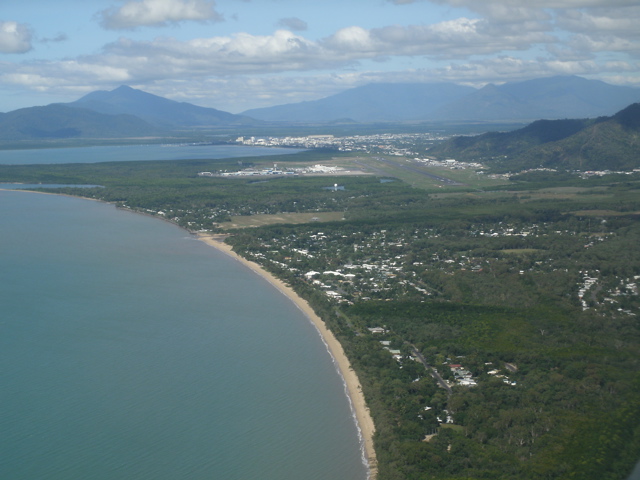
429,368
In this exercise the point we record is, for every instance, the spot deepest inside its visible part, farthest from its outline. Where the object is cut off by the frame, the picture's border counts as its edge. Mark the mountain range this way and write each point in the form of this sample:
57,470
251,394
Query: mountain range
379,102
55,122
121,113
126,112
547,98
158,111
603,143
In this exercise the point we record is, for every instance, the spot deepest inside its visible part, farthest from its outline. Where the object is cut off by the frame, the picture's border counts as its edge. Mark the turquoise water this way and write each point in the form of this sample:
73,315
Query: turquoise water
130,350
134,152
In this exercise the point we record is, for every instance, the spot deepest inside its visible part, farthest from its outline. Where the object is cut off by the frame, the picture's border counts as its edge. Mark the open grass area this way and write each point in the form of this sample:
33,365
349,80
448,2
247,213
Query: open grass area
249,221
603,213
451,426
396,168
520,251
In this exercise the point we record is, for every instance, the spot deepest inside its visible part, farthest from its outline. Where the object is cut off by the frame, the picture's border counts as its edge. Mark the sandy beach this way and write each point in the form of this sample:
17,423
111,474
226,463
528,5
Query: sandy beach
365,422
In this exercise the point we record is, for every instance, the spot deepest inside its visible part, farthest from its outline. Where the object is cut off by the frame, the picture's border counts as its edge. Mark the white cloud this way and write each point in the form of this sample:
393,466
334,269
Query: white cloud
241,71
284,51
14,37
236,93
457,38
589,44
137,13
241,53
350,40
620,21
613,30
598,25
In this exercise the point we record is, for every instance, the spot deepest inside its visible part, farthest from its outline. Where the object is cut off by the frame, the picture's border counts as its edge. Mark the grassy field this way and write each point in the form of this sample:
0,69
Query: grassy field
603,213
249,221
409,172
520,251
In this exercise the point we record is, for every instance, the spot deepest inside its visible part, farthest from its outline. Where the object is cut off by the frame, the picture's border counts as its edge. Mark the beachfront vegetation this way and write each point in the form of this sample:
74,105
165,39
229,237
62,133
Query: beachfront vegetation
522,298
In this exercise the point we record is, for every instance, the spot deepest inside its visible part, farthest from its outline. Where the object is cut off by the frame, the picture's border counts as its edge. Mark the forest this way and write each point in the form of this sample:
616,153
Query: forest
523,297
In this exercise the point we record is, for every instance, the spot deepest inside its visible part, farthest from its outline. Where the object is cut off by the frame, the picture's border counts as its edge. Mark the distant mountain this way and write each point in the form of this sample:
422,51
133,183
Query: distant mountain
59,121
157,110
544,98
603,143
380,102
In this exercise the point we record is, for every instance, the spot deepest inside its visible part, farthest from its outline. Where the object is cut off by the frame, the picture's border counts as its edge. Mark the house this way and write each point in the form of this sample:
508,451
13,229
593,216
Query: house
511,367
377,330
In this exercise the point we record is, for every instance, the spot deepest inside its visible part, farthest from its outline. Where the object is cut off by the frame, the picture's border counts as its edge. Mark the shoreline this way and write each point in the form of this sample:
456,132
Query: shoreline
353,388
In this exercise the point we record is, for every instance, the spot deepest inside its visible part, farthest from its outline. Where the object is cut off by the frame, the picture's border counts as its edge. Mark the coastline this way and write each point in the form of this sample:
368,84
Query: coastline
353,387
364,422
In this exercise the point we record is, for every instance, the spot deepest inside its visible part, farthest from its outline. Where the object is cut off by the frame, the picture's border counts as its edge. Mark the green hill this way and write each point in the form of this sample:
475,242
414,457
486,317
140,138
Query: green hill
60,122
157,110
605,143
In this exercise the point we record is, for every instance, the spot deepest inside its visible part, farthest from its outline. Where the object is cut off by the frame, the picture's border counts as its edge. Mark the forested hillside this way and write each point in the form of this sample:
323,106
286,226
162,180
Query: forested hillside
60,122
605,143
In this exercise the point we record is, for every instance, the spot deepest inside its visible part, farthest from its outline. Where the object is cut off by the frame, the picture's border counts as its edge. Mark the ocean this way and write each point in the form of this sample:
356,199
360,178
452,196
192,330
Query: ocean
135,153
131,350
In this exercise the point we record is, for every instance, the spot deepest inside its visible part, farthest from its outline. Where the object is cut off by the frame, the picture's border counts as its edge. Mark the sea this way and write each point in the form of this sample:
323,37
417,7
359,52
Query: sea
132,350
113,153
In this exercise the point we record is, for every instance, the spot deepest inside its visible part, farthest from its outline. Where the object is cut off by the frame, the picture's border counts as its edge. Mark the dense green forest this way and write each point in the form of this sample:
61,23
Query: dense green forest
523,298
609,143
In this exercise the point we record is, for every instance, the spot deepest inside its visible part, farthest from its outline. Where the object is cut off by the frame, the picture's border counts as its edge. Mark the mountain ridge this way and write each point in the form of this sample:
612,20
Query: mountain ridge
157,110
57,121
602,143
385,102
127,112
550,97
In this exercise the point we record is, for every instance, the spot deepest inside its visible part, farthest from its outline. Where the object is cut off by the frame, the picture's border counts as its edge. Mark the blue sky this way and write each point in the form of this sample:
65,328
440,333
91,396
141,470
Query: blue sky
239,54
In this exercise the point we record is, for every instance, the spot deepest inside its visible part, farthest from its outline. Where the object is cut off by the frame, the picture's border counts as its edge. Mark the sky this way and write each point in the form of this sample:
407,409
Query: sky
234,55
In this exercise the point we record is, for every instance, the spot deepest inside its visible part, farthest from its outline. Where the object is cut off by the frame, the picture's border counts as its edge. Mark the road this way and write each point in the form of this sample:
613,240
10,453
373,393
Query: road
430,369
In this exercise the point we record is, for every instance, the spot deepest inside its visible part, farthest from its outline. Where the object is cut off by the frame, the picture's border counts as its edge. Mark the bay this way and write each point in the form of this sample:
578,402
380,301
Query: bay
131,350
126,153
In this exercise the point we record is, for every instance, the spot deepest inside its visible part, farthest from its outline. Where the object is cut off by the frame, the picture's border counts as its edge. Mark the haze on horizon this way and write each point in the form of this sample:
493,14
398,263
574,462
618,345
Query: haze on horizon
234,55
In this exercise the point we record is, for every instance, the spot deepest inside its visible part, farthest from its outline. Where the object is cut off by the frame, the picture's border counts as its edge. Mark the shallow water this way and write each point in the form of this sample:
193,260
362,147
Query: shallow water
126,153
132,350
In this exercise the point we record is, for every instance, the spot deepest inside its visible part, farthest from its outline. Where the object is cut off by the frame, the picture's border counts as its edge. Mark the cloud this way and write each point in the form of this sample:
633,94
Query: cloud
598,38
201,59
138,13
457,38
619,21
241,53
293,23
236,93
14,37
61,37
613,30
285,51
